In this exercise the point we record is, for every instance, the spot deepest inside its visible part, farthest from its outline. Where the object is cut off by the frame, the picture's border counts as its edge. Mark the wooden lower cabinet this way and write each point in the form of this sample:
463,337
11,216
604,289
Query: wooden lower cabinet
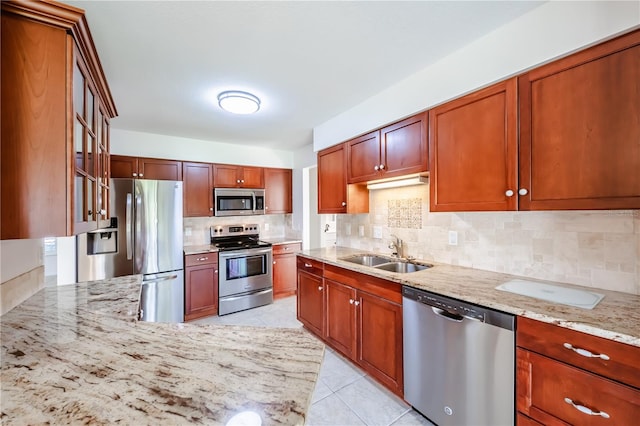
356,314
310,301
555,385
200,285
340,331
284,269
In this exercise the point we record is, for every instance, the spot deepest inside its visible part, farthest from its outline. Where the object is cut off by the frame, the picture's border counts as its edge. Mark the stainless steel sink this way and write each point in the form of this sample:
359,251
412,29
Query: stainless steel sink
367,259
403,267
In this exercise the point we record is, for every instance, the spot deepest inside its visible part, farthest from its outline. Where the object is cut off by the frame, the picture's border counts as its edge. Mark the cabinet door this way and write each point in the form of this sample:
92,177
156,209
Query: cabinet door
363,158
225,176
380,340
198,189
310,302
152,168
284,275
277,185
579,130
473,143
201,291
340,329
552,392
124,167
332,180
404,147
252,177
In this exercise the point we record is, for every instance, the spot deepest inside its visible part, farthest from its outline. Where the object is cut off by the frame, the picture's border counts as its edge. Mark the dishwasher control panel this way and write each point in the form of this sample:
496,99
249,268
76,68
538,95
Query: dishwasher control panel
450,305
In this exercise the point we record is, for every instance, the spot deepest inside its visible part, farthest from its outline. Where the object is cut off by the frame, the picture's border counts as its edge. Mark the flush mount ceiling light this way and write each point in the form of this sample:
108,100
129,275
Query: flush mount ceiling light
238,102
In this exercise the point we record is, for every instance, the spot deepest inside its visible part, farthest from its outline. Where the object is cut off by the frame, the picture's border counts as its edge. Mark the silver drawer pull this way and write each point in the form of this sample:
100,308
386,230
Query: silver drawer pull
585,352
308,265
319,288
202,258
351,301
586,410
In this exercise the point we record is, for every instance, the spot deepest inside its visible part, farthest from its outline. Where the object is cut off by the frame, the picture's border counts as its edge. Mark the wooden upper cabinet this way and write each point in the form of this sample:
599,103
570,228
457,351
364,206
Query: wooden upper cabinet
363,157
277,185
395,150
123,166
53,90
334,195
579,129
232,176
198,189
474,147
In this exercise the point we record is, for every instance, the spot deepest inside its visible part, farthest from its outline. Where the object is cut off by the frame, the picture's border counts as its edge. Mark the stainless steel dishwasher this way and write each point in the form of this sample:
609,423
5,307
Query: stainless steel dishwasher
459,366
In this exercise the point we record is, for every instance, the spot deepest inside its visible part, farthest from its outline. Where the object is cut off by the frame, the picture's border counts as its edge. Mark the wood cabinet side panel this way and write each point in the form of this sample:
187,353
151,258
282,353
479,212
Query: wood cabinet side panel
34,134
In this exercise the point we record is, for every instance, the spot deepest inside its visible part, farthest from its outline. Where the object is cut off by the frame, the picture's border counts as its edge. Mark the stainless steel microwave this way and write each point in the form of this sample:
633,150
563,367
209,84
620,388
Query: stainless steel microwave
238,201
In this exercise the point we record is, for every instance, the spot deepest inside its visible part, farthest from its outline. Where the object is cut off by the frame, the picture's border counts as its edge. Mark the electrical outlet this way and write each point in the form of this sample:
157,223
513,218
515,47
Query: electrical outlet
361,230
377,232
265,227
187,232
453,238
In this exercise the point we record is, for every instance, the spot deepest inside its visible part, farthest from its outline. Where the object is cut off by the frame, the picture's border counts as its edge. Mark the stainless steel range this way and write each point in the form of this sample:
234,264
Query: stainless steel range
245,264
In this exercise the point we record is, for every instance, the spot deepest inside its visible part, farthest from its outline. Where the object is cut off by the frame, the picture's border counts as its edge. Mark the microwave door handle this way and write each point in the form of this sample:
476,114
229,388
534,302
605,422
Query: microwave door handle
253,195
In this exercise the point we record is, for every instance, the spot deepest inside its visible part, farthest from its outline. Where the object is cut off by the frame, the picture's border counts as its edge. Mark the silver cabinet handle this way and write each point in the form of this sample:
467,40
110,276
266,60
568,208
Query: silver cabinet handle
509,193
523,191
319,288
585,352
586,410
237,180
215,271
381,166
103,212
202,259
351,301
376,168
344,203
274,262
308,265
135,174
141,175
241,180
286,248
357,302
210,209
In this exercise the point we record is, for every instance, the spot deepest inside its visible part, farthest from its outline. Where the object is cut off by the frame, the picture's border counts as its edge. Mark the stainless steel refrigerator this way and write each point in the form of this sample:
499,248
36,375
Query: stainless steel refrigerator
145,238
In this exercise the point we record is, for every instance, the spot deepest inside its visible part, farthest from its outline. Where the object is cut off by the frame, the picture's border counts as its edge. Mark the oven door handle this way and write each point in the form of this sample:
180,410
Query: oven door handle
239,253
257,293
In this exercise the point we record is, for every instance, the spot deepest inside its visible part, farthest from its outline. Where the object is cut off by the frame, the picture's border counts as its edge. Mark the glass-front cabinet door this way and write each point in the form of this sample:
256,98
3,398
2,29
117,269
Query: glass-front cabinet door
86,150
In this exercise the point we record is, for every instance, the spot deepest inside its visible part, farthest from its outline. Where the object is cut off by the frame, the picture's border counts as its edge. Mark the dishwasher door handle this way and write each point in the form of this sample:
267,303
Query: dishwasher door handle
447,315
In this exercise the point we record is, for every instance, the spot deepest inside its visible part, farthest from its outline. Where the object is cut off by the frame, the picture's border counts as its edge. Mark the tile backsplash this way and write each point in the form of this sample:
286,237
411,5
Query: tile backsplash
593,248
196,229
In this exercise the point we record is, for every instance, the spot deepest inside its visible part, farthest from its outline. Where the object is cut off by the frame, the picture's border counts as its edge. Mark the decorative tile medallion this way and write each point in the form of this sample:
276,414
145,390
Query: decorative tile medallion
405,213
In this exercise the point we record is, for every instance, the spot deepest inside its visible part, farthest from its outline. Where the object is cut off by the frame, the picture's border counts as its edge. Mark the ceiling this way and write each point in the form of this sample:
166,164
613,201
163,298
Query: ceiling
166,61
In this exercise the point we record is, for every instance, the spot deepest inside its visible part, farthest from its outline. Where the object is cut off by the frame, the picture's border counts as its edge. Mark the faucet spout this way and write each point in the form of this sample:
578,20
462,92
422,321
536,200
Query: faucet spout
398,245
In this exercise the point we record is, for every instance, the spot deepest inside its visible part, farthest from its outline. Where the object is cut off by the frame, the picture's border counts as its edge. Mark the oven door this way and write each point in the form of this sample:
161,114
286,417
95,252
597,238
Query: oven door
243,271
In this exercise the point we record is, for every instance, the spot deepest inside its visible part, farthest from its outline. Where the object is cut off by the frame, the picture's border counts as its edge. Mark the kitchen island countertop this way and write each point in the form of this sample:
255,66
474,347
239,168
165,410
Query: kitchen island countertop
616,317
77,354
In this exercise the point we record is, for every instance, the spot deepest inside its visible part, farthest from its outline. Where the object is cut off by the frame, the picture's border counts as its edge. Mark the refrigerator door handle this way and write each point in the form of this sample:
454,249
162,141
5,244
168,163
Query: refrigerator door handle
128,227
157,280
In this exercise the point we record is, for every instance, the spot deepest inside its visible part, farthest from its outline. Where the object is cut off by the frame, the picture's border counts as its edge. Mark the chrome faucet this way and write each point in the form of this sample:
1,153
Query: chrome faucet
398,246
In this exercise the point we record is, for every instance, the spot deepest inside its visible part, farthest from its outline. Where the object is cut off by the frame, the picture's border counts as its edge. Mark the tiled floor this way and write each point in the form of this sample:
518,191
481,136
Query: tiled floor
344,395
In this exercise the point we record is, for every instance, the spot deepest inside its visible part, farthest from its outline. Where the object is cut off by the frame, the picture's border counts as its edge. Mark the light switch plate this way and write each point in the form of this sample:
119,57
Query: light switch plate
265,226
377,232
453,238
187,232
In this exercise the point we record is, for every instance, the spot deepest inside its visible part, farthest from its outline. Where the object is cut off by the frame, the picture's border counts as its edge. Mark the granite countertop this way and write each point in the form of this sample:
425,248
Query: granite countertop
616,317
77,354
199,249
283,240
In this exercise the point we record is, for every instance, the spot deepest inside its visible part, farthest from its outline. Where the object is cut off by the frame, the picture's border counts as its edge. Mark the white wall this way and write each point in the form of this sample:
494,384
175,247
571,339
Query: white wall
302,158
547,32
18,257
139,144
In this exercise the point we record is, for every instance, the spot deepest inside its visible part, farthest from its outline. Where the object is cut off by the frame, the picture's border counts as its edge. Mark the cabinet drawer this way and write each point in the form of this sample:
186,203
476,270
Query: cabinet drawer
574,347
309,265
200,259
552,392
373,285
286,248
